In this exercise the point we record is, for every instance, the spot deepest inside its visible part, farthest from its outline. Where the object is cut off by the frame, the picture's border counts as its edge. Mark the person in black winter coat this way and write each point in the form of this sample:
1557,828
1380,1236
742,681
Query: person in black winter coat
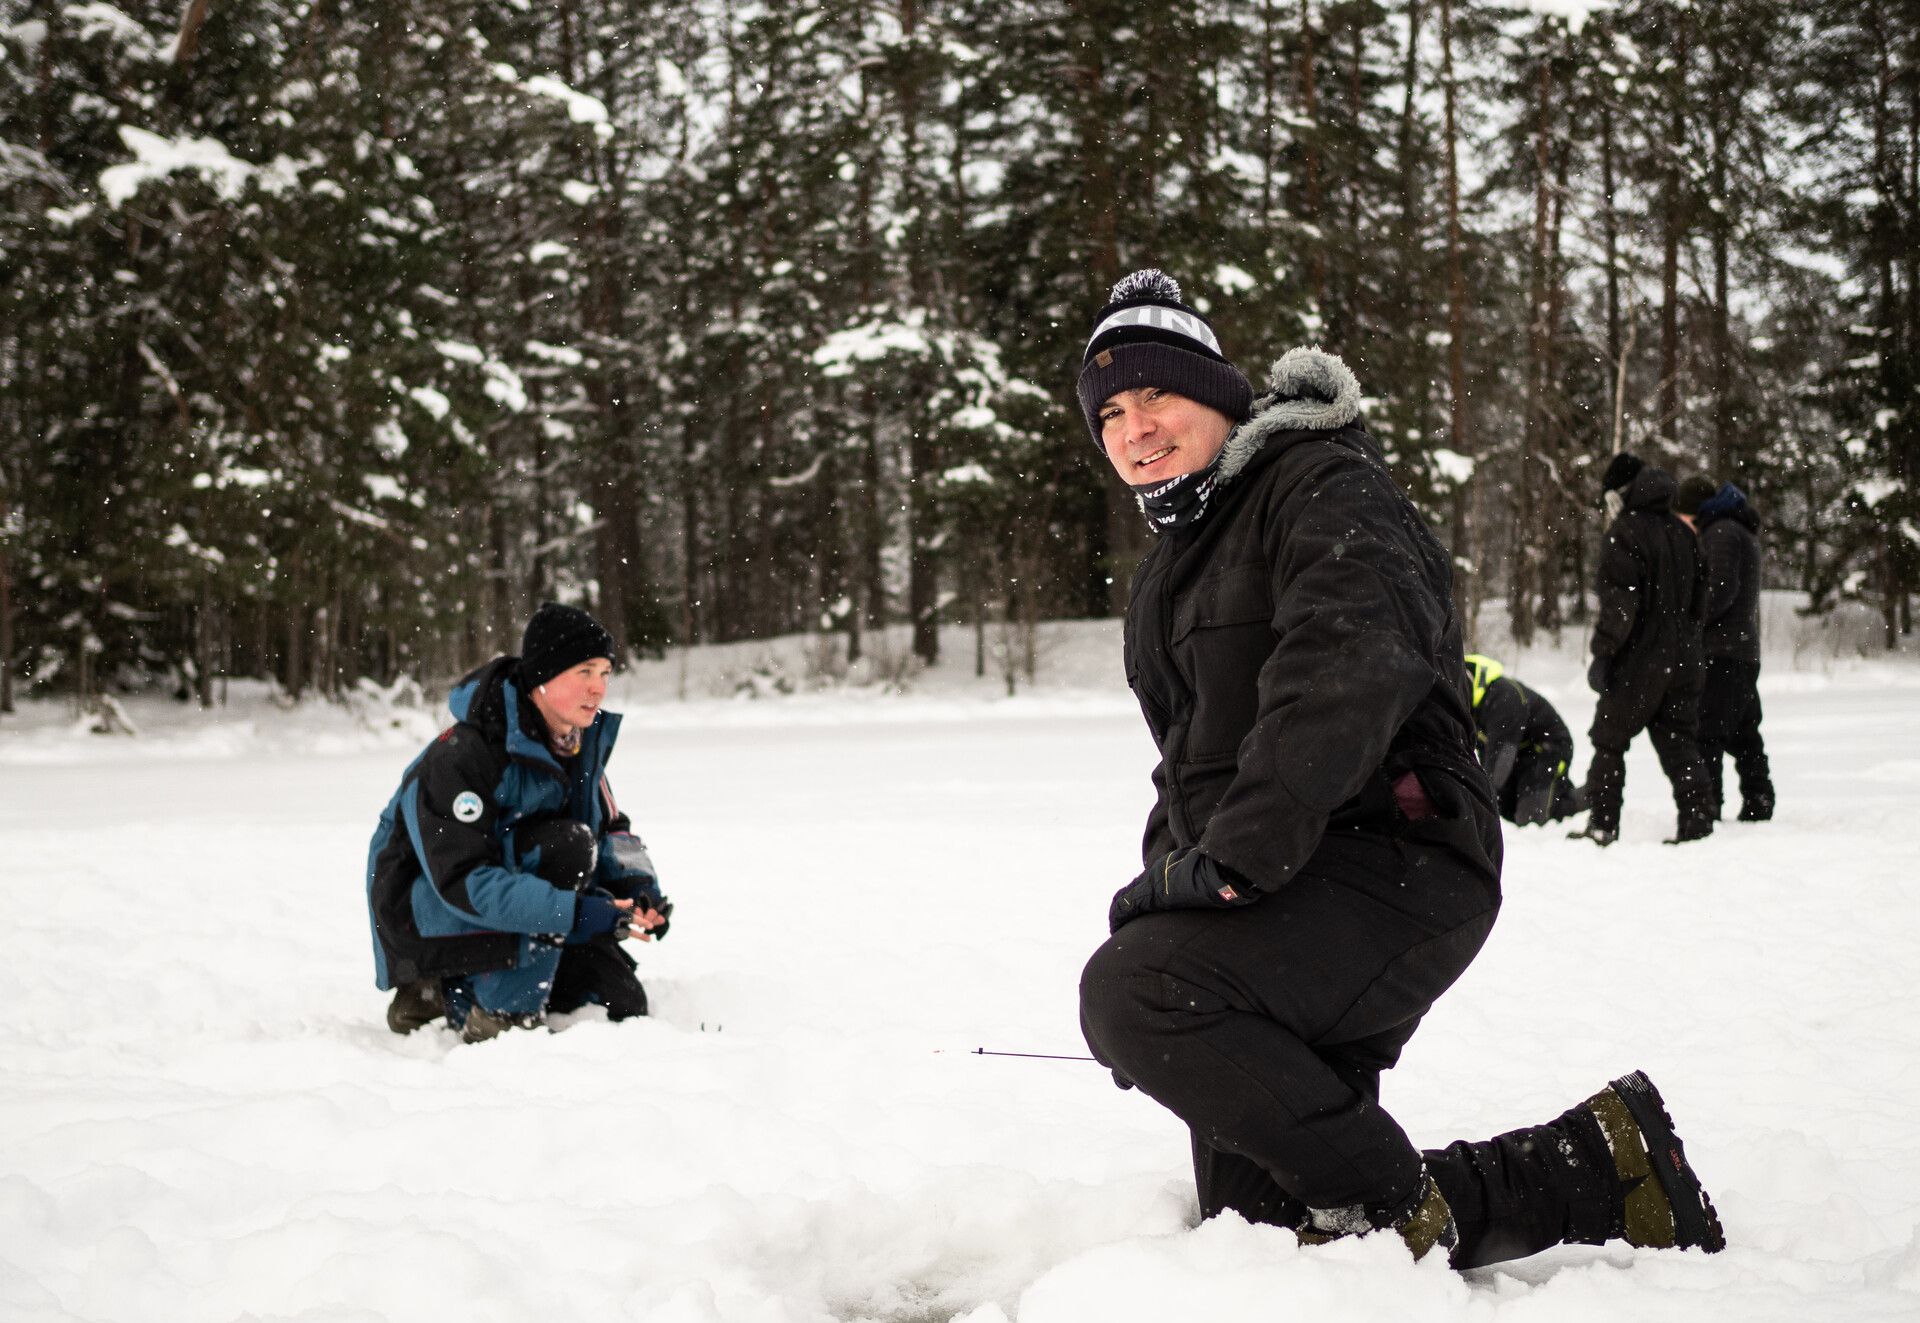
1524,745
1323,853
502,876
1647,665
1729,530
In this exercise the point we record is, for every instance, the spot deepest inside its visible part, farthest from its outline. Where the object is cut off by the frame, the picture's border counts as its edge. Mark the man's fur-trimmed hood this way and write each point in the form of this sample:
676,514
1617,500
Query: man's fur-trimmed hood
1308,390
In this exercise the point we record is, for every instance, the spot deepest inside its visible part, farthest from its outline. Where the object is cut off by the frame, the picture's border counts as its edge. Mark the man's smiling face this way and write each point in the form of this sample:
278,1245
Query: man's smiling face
1151,434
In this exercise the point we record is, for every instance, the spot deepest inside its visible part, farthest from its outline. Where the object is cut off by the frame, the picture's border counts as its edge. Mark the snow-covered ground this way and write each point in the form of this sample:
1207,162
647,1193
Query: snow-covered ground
203,1117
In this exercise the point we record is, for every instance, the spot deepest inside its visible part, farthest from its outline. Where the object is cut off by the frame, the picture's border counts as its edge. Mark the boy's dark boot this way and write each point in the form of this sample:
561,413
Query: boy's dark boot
1662,1204
483,1024
415,1005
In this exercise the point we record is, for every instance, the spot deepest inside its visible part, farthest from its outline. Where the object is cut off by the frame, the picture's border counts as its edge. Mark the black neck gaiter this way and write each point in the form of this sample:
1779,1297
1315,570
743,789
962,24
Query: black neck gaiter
1179,502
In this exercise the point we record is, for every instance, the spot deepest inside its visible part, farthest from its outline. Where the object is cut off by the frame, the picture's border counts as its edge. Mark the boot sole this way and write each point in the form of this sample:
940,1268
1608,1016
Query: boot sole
1695,1223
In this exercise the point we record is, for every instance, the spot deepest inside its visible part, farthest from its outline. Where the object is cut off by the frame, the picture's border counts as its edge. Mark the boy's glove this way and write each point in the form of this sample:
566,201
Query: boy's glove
1597,675
1179,880
660,906
595,915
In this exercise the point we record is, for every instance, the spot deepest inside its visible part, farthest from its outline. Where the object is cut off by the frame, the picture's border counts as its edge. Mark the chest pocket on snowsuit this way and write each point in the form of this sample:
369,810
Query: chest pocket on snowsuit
1222,636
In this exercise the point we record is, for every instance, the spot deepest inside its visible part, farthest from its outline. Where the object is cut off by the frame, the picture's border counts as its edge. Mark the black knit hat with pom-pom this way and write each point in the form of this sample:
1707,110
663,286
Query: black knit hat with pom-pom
1148,336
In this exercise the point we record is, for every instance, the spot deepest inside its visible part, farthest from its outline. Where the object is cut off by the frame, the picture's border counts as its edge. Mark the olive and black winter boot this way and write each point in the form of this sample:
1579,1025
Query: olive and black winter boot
1663,1205
415,1005
1429,1224
1422,1222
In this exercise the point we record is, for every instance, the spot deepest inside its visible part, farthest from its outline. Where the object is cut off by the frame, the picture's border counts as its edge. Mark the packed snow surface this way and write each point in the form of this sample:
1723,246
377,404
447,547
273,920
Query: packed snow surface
205,1117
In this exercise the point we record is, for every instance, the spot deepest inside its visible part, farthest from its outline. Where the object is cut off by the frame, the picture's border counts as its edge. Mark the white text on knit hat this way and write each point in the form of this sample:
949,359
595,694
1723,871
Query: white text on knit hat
1159,318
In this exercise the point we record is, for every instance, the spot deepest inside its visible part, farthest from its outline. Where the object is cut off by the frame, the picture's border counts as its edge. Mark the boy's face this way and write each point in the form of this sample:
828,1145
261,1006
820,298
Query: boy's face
573,697
1151,434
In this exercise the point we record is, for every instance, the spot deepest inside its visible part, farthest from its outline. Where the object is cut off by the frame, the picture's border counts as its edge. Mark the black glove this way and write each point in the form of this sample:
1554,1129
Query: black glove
1179,880
660,906
1597,675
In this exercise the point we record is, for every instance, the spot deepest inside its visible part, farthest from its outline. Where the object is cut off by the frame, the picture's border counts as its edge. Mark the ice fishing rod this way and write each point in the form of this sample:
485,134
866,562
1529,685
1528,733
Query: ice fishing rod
1031,1056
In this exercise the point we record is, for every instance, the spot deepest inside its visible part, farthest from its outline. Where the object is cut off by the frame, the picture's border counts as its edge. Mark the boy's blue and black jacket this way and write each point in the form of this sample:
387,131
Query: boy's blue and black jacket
448,894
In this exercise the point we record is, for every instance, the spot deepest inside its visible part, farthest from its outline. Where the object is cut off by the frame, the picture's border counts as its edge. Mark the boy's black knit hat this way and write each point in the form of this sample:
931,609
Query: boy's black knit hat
558,638
1146,336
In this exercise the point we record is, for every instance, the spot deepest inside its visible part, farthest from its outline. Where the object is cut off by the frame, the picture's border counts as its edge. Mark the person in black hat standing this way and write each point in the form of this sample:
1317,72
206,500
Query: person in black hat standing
1647,665
1729,532
1323,853
502,876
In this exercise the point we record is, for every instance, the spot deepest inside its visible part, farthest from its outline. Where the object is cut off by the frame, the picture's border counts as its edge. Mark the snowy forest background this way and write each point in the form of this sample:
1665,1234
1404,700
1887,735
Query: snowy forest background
338,334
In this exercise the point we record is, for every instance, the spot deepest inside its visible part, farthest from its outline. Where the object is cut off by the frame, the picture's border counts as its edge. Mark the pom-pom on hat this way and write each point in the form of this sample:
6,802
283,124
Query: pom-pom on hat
1624,469
1147,336
557,639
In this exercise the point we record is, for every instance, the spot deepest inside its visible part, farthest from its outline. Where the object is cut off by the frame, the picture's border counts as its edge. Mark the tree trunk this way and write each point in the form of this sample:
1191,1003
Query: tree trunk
1674,219
1111,520
6,618
1555,530
204,637
1403,150
923,570
923,583
1720,119
1523,568
1269,108
293,665
1311,142
1610,226
873,518
1459,420
187,43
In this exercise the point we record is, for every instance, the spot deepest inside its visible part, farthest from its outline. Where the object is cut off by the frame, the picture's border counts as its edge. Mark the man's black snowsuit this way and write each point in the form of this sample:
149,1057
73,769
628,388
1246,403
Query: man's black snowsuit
1524,745
1647,652
1730,701
1297,657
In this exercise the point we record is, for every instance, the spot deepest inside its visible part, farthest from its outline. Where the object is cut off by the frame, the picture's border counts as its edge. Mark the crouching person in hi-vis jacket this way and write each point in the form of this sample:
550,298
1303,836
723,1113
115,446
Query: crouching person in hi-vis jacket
503,877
